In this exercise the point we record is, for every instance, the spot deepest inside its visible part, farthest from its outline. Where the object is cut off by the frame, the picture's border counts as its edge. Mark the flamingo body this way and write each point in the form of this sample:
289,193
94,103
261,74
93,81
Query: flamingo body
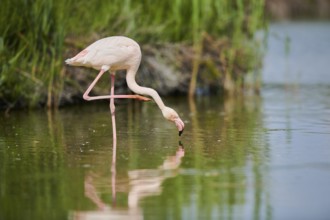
120,53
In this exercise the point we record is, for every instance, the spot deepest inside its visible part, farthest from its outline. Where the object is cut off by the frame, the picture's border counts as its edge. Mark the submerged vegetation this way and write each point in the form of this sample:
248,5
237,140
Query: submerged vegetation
35,36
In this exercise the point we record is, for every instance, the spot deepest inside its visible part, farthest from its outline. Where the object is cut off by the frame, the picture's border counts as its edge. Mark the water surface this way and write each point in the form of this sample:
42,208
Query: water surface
245,157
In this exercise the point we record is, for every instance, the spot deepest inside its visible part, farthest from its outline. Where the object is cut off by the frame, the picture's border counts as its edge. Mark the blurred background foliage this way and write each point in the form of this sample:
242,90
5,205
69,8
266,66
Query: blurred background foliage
36,35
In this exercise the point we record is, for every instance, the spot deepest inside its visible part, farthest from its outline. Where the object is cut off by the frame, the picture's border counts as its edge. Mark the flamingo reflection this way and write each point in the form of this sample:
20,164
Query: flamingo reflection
141,183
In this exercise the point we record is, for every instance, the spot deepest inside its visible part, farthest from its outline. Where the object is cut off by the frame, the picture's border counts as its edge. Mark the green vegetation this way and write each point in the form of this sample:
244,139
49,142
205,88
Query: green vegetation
35,35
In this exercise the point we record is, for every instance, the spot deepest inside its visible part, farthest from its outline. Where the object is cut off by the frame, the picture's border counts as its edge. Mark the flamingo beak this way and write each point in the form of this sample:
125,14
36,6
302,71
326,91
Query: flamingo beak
180,125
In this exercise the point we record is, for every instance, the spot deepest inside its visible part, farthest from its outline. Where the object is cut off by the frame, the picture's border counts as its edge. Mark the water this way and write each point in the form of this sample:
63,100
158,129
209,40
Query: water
265,157
298,53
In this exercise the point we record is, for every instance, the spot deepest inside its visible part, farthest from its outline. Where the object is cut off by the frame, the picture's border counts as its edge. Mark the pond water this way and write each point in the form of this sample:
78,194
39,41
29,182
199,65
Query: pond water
251,157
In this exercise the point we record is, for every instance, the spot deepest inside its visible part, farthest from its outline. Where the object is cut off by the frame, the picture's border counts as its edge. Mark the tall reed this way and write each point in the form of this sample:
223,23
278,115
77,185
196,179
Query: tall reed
31,57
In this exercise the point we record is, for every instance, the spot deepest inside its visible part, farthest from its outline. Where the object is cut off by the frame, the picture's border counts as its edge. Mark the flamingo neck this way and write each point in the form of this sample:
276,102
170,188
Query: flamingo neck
130,78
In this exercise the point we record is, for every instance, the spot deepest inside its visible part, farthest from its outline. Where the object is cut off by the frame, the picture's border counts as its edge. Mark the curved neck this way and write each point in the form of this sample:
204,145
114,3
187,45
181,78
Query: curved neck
130,78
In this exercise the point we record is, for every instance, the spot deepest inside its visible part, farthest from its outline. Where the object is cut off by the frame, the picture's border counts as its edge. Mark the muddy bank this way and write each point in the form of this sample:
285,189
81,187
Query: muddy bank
213,67
168,69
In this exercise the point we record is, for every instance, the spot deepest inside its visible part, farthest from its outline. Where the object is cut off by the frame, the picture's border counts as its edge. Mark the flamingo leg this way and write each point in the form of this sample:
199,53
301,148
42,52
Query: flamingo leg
90,98
112,109
112,93
114,133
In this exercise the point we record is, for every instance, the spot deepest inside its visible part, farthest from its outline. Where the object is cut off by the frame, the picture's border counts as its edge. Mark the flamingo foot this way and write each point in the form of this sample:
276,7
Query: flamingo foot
141,98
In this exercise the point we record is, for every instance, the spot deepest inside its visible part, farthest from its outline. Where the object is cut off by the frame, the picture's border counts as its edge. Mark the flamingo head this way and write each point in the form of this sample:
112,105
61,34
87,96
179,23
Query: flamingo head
172,116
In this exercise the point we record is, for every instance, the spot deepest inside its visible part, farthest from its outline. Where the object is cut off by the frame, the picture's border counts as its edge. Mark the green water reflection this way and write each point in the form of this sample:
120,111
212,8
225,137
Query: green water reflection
57,165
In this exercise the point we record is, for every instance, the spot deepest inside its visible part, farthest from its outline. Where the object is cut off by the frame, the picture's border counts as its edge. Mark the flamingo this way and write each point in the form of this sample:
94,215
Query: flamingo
120,53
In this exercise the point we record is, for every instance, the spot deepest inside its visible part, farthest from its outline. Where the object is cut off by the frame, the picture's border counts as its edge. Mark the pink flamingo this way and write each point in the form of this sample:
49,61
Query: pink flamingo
120,53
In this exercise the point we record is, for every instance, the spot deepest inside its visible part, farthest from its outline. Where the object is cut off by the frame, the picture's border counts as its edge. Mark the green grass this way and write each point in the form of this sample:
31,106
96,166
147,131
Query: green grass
32,35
